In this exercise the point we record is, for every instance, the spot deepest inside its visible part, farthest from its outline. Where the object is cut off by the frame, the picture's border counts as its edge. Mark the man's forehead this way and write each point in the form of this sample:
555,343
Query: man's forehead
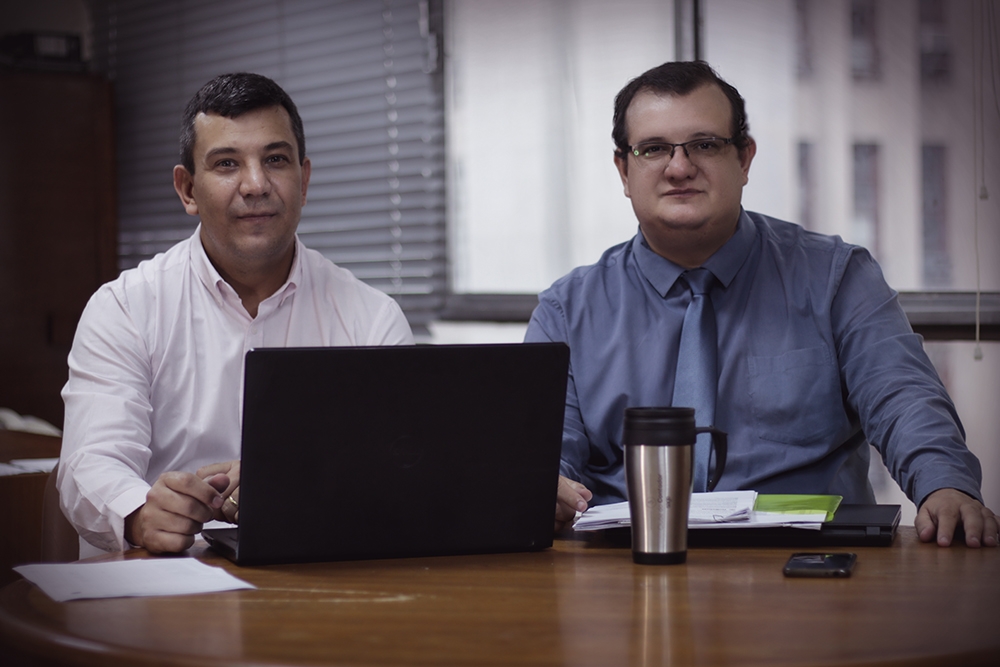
264,126
664,107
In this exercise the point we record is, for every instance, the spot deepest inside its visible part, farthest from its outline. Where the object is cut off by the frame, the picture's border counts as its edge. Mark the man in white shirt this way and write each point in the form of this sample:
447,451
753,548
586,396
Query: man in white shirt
154,397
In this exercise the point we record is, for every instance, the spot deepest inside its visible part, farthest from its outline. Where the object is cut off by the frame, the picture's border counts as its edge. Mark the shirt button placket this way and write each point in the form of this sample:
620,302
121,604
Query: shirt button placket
254,337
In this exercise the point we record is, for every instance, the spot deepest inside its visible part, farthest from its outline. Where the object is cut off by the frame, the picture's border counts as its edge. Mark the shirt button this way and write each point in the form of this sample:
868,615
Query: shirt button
253,330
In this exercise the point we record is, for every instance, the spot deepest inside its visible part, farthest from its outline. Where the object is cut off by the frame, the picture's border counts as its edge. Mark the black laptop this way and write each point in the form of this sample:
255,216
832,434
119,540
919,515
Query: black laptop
385,452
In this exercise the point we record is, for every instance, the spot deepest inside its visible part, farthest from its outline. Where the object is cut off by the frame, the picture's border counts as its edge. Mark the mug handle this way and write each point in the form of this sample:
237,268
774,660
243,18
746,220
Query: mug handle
720,443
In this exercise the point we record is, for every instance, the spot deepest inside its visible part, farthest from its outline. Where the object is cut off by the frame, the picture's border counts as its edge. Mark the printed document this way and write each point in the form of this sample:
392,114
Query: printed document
719,509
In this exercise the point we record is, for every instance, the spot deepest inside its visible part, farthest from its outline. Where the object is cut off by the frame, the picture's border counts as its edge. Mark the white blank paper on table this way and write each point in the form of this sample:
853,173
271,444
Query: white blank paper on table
129,578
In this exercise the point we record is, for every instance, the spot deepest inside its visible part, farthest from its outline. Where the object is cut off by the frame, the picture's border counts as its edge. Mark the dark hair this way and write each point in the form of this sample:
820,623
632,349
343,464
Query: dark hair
231,96
678,78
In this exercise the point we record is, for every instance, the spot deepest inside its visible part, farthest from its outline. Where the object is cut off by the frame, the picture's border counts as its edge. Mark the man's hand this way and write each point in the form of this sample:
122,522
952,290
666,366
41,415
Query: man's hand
572,497
176,507
945,509
230,510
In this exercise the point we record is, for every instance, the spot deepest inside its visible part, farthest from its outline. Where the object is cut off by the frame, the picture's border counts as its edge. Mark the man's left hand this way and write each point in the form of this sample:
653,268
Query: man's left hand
946,509
230,510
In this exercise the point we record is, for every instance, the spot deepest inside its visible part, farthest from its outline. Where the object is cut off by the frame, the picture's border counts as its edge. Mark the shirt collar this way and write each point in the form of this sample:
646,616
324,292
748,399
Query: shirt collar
724,264
294,274
222,291
728,259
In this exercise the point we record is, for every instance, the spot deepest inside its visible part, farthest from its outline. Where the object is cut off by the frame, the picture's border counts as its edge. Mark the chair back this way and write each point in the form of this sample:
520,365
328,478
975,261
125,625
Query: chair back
60,542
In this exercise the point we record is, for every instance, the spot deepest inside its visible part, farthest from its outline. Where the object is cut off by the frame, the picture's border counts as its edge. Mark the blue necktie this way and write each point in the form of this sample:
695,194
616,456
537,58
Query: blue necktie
696,380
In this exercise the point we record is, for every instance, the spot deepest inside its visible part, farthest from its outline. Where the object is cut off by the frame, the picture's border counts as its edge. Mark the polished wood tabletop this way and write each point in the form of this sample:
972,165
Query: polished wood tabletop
582,602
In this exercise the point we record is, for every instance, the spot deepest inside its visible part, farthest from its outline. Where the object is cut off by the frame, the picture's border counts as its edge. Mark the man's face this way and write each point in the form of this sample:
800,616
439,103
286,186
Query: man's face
687,208
248,189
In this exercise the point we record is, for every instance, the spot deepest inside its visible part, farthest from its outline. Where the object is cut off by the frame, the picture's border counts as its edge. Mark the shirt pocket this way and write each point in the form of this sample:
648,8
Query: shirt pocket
795,396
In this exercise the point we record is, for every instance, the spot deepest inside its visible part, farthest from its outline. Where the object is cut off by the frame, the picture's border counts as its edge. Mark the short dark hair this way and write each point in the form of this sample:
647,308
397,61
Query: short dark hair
231,96
678,78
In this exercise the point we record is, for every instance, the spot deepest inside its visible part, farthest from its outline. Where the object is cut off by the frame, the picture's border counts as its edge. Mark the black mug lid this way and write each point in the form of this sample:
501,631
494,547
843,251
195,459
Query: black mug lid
663,426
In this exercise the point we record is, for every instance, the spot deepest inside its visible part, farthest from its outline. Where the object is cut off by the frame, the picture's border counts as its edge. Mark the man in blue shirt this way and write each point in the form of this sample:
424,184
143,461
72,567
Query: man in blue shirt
815,357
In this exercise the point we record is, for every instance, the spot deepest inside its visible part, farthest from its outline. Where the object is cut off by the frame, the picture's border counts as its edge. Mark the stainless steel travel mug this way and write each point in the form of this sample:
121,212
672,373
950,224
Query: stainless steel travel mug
659,458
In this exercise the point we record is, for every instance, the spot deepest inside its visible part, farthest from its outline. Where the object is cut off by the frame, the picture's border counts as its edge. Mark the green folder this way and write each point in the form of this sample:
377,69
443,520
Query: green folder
797,504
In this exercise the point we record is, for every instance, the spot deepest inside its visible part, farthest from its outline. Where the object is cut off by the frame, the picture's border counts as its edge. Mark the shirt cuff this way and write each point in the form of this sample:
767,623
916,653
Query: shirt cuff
121,507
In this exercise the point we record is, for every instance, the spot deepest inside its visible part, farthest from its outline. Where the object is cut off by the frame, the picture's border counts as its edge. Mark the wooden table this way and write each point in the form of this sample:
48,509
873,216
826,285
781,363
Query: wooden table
579,603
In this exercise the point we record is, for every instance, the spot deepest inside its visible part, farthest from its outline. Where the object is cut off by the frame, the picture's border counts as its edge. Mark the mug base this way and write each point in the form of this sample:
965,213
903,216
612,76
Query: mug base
673,558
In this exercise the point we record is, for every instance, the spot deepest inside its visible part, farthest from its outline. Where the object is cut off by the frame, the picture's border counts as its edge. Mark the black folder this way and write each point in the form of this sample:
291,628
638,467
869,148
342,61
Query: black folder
852,526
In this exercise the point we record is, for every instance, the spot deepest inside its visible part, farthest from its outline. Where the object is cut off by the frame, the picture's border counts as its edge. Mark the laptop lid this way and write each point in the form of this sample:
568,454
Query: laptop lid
384,452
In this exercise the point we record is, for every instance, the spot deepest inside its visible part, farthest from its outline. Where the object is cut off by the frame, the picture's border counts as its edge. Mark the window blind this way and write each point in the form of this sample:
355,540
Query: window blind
366,79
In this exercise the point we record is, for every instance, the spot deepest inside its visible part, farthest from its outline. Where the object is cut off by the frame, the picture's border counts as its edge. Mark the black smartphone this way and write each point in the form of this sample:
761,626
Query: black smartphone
820,565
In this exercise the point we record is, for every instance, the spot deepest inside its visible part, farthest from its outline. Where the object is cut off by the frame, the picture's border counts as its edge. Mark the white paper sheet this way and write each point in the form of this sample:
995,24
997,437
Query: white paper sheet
36,465
720,509
129,578
7,469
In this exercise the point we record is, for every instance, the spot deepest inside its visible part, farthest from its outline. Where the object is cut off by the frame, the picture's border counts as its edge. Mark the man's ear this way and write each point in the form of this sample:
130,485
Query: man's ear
621,163
184,185
746,157
306,173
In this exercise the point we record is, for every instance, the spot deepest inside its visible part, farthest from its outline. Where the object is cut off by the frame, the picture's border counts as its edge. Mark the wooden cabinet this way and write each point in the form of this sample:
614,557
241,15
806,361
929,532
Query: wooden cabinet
58,231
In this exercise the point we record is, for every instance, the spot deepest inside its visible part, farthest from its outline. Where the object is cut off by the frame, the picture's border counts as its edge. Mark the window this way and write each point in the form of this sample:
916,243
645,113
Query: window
838,107
366,77
935,42
864,226
865,57
803,41
937,259
533,190
807,184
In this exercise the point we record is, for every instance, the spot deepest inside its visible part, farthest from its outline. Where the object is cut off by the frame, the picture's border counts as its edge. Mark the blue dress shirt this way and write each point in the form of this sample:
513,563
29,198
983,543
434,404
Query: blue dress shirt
816,358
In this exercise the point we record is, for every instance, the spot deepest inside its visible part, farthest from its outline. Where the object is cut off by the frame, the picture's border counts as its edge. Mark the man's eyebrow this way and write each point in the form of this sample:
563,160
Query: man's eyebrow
693,136
229,150
222,150
278,145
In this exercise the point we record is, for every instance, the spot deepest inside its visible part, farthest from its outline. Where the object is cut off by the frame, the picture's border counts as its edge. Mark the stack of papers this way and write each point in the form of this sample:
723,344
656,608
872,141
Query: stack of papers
729,509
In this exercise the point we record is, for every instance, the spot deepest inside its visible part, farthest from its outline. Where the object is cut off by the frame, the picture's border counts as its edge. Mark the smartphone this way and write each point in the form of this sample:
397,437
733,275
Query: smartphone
820,565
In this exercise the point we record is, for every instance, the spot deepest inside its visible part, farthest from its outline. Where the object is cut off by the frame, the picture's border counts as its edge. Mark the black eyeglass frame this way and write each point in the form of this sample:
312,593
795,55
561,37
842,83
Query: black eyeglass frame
673,147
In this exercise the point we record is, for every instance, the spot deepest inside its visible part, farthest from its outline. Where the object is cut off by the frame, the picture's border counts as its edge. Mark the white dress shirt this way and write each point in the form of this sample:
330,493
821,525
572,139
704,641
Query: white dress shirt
156,372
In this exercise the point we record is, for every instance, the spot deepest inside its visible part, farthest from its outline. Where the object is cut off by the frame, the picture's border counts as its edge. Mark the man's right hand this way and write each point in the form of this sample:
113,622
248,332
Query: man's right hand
176,507
572,497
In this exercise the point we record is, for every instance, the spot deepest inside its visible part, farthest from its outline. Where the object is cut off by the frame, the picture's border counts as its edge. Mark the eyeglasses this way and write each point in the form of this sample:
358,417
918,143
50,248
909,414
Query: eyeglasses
696,150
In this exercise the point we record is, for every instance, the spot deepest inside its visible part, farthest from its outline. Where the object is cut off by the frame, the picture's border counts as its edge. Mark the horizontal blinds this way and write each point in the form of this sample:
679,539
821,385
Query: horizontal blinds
363,74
